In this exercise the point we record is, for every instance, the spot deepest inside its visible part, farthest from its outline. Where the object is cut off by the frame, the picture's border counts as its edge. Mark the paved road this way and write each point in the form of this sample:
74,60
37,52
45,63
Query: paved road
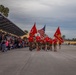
24,62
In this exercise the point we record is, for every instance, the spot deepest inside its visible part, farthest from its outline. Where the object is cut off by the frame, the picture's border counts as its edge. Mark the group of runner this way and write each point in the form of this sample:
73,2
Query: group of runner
44,43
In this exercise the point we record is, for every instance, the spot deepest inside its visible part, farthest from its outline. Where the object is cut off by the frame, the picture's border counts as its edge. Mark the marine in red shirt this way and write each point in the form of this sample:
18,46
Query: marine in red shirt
46,39
38,39
30,39
42,44
50,43
55,44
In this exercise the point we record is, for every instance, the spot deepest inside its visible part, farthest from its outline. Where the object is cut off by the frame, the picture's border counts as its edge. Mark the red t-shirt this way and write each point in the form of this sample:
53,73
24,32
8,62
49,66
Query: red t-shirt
46,39
30,39
42,41
55,41
50,41
38,39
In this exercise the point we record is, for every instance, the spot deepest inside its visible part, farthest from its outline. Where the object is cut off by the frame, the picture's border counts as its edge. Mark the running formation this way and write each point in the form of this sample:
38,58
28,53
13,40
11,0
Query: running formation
45,43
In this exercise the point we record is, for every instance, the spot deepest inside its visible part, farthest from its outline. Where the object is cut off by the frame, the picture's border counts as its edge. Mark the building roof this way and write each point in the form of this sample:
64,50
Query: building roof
8,26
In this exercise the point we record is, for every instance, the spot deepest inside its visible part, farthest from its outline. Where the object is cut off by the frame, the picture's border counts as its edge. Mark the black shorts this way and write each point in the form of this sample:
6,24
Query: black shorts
50,44
55,45
38,43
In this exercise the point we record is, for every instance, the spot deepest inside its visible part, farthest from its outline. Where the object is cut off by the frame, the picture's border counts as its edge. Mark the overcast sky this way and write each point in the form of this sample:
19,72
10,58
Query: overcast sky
52,13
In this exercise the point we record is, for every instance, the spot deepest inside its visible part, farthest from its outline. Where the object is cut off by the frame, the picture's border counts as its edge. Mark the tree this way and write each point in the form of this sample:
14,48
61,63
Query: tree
26,31
63,37
4,10
73,39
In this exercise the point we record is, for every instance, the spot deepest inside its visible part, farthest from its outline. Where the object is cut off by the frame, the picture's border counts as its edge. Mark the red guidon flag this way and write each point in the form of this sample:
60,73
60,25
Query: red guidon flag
58,35
33,31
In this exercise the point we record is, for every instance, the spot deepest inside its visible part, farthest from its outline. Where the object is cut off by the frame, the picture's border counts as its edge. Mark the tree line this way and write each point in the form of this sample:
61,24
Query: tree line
4,10
64,37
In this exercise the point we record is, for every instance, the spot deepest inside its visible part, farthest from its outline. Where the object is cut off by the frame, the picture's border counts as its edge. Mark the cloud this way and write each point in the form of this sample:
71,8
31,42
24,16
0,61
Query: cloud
53,13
